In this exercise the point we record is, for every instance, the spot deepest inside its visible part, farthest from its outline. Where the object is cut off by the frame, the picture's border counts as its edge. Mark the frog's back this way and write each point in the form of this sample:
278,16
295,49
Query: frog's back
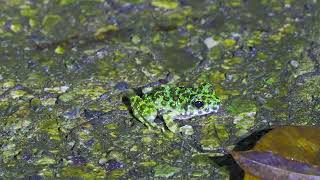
168,98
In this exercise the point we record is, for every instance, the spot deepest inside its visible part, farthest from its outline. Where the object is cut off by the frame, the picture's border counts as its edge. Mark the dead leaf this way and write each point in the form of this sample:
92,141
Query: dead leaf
269,166
284,153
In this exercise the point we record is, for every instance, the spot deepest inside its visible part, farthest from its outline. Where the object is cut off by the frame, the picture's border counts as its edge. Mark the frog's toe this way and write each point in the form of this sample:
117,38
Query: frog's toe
173,127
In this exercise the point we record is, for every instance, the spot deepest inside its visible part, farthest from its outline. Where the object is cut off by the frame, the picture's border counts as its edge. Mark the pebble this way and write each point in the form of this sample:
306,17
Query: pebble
187,130
72,114
210,42
113,164
121,86
294,63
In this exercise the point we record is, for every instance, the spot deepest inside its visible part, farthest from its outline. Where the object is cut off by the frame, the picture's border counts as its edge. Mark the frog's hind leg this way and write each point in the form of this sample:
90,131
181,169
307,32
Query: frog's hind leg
145,112
147,118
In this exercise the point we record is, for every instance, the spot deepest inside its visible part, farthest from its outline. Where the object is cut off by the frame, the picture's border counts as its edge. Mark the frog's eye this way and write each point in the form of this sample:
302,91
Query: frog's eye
198,104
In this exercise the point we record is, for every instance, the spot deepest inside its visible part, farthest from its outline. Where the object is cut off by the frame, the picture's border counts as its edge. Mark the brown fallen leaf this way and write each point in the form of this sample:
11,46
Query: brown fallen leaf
293,142
269,166
284,153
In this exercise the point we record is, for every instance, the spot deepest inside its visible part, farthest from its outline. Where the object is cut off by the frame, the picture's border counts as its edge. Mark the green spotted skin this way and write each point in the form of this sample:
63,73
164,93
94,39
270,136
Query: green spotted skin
174,103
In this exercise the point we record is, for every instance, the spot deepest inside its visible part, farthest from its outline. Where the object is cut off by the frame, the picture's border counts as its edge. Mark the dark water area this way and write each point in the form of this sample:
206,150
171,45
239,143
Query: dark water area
66,65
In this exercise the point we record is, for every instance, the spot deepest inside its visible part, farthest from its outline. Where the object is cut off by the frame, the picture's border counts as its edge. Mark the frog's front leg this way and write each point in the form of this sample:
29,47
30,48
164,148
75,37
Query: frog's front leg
169,121
144,111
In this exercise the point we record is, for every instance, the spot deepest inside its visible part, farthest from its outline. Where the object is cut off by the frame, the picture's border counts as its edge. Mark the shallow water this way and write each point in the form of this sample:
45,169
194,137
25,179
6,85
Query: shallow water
65,64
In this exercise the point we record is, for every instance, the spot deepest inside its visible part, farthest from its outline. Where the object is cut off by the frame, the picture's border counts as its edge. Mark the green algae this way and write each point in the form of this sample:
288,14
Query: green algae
148,163
87,172
229,42
199,174
17,94
228,63
202,160
59,50
66,2
136,39
4,105
165,171
72,55
239,106
244,112
213,134
270,81
305,95
83,92
50,21
16,27
234,3
49,101
28,11
166,4
36,79
101,33
45,161
51,128
134,1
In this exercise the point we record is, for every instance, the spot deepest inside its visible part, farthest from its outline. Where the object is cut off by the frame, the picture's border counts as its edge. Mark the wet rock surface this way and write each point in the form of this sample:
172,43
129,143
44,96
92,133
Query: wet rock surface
66,65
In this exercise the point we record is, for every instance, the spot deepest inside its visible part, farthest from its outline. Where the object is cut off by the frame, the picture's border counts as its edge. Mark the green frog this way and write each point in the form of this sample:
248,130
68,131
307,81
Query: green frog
174,103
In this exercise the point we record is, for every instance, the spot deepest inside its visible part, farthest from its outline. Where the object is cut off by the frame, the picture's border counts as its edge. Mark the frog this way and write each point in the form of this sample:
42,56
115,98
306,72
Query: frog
174,103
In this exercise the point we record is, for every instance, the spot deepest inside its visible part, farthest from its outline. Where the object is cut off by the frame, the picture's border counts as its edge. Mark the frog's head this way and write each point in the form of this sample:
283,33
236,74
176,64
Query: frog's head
204,101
